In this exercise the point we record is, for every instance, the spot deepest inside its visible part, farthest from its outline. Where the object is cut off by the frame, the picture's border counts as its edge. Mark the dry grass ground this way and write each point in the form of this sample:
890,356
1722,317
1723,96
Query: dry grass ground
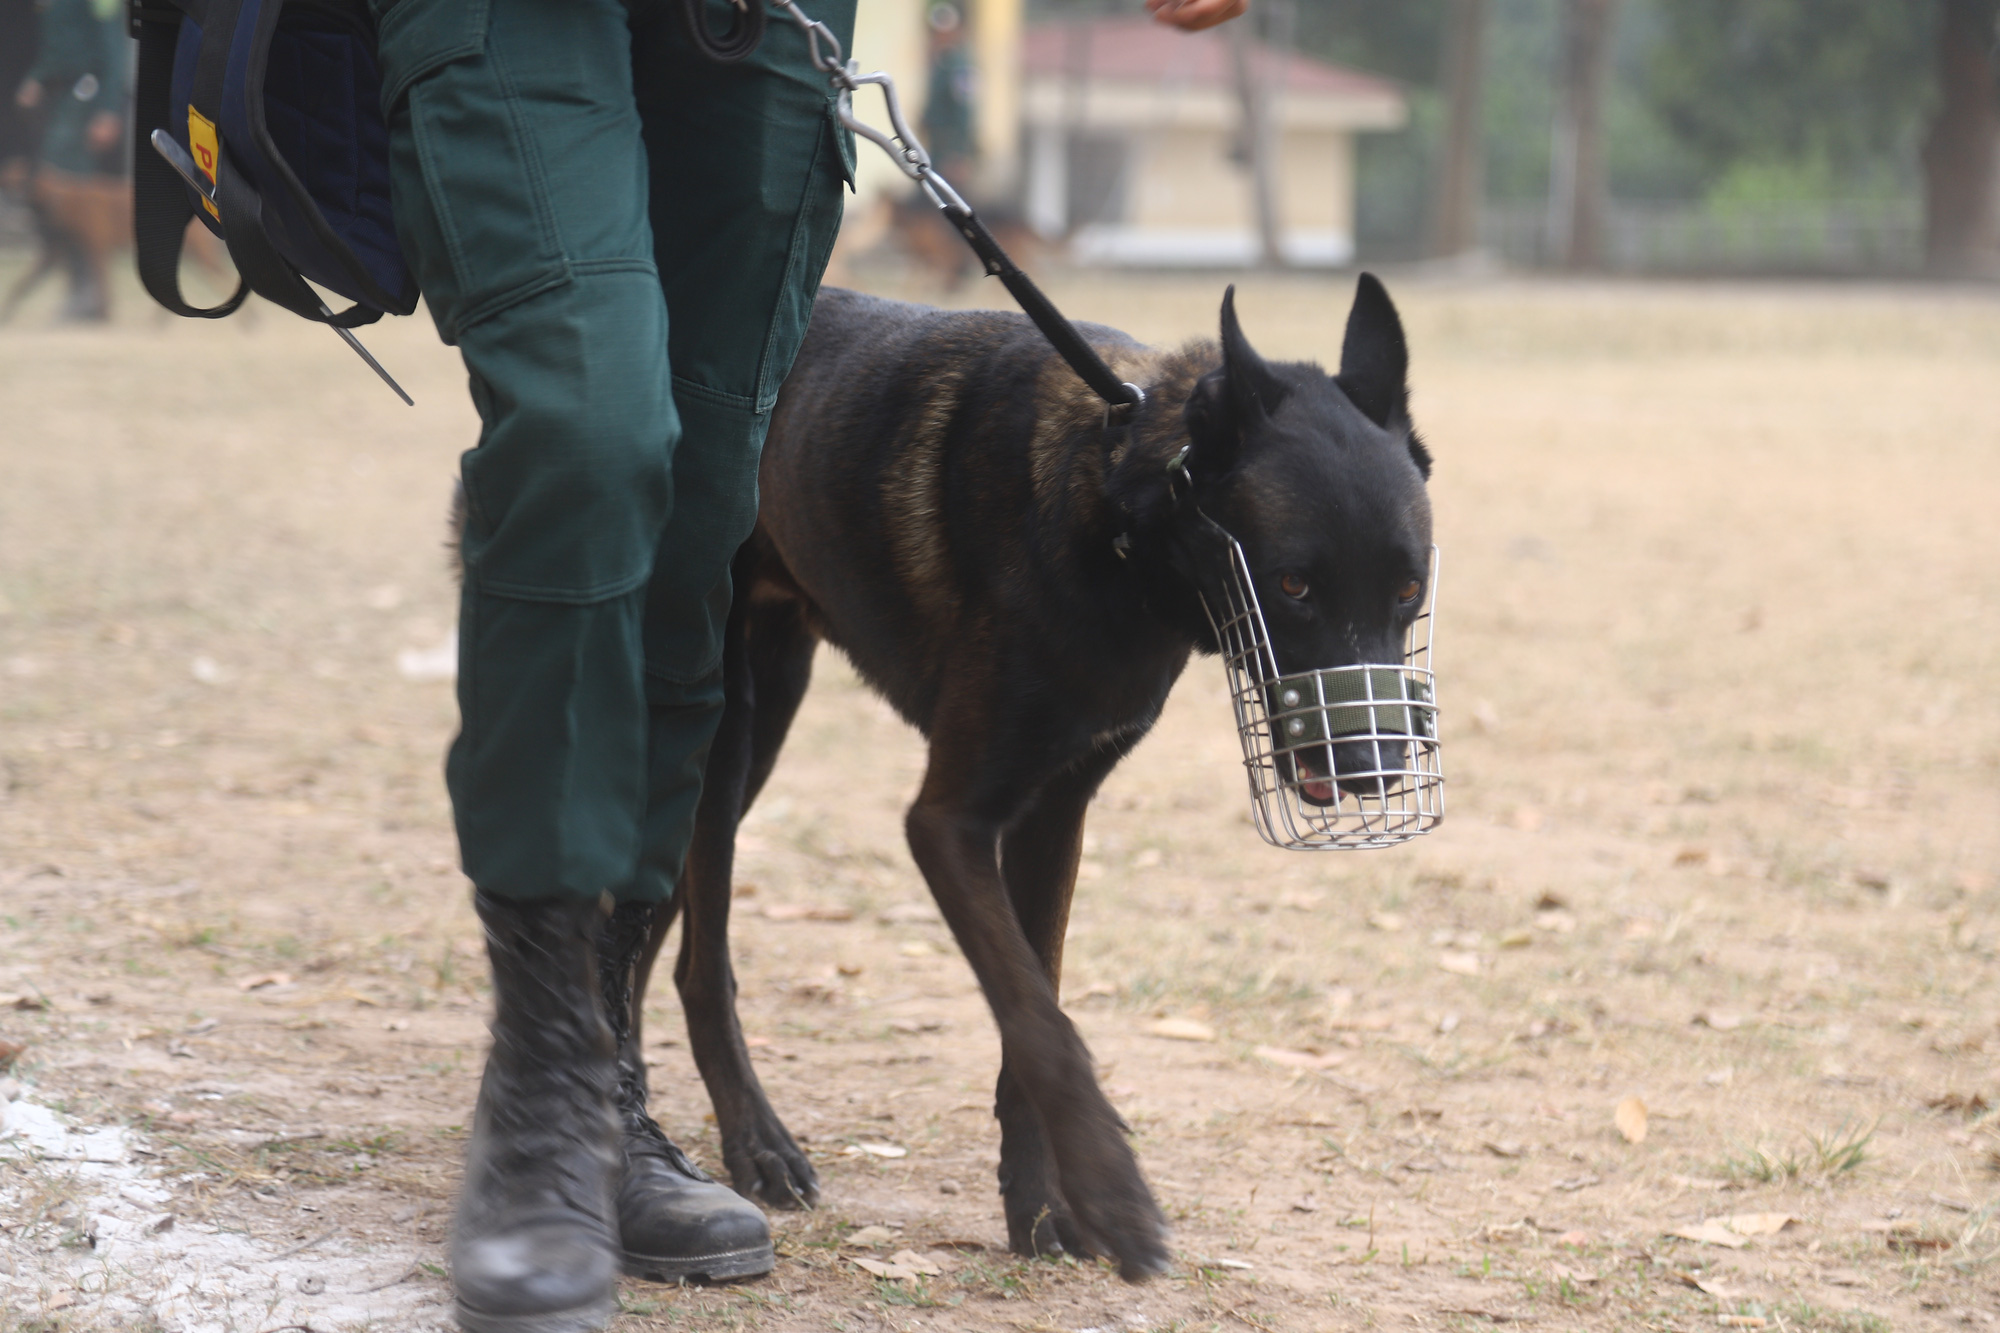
1717,648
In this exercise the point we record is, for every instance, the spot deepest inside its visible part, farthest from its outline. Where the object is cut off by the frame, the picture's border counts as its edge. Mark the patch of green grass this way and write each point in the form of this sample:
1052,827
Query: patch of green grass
1804,1314
1825,1156
1843,1148
915,1294
1762,1166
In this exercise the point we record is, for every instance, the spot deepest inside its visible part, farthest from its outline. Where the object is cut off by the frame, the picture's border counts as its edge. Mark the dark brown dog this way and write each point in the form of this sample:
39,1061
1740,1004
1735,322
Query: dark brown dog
942,501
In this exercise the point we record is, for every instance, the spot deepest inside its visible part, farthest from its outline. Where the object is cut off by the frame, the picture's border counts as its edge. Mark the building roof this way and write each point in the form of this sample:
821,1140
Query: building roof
1140,50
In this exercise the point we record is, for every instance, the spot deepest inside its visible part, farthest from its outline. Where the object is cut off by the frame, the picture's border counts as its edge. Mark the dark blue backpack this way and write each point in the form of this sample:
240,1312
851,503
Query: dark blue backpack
263,119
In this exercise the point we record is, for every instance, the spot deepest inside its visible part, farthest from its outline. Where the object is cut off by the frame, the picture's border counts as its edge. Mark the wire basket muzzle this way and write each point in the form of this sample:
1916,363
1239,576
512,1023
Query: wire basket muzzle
1339,758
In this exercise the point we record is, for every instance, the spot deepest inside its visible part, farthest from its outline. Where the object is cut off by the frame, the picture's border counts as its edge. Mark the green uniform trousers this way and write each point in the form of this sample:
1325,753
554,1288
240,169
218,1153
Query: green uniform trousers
623,239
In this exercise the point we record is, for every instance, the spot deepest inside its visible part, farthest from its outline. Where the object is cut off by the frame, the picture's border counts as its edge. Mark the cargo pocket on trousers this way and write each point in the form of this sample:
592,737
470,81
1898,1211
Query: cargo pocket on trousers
485,235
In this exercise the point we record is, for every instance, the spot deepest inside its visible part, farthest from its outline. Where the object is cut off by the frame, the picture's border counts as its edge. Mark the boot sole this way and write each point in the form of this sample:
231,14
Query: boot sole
579,1319
753,1262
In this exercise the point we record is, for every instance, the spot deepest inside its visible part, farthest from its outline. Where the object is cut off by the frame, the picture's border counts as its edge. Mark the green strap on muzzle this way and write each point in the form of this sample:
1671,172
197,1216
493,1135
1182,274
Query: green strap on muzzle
1338,702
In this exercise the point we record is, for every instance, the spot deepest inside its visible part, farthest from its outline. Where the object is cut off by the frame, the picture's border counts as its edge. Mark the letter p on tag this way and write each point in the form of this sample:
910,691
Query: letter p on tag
202,140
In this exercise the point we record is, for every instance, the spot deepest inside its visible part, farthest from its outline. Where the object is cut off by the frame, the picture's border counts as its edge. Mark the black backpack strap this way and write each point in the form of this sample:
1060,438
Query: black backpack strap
266,271
161,208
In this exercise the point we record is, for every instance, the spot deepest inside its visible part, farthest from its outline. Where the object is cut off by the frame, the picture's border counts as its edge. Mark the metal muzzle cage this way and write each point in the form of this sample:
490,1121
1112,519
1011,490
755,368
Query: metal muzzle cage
1341,758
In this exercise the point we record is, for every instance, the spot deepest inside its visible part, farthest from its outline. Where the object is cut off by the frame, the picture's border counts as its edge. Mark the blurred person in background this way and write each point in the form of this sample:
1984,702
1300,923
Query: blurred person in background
20,43
948,104
76,183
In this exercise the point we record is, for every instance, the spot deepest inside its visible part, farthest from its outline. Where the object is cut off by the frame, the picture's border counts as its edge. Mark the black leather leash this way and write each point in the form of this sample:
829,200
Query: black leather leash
1121,399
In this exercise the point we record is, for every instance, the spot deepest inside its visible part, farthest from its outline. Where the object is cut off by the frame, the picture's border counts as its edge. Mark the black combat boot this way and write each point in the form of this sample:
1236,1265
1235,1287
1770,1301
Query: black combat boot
535,1249
674,1222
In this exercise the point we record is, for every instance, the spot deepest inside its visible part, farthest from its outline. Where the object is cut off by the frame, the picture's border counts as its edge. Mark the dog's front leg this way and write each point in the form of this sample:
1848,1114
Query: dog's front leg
763,1159
954,835
1038,860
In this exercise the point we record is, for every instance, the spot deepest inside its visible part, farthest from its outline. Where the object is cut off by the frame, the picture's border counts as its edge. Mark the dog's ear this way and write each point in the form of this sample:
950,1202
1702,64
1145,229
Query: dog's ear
1374,359
1229,401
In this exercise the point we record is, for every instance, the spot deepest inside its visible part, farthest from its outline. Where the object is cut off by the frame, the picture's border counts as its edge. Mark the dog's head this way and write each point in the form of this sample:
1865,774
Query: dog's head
1321,479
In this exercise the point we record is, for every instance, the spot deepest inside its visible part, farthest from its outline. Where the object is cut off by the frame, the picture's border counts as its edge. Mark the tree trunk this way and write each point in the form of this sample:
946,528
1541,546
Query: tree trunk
1578,190
1962,152
1259,145
1461,174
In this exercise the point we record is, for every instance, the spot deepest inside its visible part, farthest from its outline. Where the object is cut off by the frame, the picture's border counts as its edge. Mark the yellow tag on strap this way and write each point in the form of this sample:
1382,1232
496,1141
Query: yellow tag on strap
202,140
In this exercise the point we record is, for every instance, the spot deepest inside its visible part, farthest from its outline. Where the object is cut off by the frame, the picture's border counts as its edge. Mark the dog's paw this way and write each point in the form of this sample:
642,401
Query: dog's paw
773,1170
1042,1228
1125,1226
1115,1217
1136,1240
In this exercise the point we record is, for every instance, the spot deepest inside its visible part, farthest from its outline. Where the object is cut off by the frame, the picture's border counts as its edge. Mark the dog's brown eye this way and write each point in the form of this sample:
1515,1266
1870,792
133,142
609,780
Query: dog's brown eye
1410,592
1292,585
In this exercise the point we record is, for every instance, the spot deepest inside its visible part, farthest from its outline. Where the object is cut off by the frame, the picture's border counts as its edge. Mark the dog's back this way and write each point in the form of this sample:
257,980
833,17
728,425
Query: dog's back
933,484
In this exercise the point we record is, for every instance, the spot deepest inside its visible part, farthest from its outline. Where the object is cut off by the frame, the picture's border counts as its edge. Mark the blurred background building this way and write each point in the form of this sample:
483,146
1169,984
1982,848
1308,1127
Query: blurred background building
1136,144
1693,136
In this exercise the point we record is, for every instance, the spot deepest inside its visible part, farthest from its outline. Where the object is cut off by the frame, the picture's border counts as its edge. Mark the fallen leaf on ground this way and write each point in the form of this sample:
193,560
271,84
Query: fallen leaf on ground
1504,1148
1740,1320
1290,1059
1843,1277
1460,964
893,1272
1576,1183
1387,922
915,1024
1630,1118
1576,1238
1758,1224
13,1001
1711,1233
1972,1105
1718,1021
889,1150
1182,1029
10,1051
922,1264
808,912
869,1237
263,979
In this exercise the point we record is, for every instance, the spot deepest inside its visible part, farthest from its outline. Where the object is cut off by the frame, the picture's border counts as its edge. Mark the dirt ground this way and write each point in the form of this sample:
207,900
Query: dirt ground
1716,649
